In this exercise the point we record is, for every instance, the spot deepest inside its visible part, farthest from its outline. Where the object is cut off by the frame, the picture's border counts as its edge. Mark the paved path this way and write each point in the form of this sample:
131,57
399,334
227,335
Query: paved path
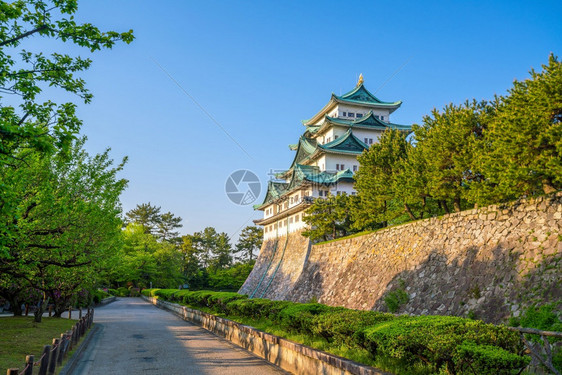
137,337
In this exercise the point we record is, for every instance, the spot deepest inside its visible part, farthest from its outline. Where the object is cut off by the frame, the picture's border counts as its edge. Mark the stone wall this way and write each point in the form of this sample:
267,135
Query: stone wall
491,262
278,267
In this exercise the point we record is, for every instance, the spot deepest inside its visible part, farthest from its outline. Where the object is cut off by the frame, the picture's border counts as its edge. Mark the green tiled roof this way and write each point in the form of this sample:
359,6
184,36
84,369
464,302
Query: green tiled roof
348,144
368,121
301,174
304,148
362,96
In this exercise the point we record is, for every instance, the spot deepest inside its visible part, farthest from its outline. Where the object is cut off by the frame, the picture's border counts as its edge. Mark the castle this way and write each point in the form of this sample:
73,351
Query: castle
325,157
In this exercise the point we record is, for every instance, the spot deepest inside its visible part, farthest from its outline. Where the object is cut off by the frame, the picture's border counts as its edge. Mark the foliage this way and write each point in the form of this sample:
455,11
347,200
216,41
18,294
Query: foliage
448,142
231,278
488,359
523,149
546,318
43,126
153,222
375,181
437,340
249,242
144,260
456,345
59,207
393,300
329,218
66,221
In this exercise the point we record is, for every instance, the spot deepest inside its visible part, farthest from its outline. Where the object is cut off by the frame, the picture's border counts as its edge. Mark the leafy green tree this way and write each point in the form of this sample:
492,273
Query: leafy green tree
146,215
329,218
523,148
144,260
449,144
167,226
66,222
25,74
375,181
249,242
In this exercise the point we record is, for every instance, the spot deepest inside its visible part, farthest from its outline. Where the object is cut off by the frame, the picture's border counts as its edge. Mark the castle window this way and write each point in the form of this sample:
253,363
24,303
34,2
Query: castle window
359,115
382,118
336,136
344,114
377,117
351,114
354,168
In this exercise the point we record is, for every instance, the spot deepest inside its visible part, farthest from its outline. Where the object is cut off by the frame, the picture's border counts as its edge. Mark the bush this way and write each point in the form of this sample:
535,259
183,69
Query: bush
346,327
394,300
488,360
98,295
122,292
435,340
436,343
113,292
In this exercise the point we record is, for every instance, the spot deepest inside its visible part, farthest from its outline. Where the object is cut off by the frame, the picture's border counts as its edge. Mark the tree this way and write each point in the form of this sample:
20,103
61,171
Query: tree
329,218
145,261
43,126
249,242
66,222
167,227
523,148
376,181
146,215
449,144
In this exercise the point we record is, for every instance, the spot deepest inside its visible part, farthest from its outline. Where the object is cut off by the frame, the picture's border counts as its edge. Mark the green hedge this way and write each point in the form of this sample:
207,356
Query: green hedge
440,343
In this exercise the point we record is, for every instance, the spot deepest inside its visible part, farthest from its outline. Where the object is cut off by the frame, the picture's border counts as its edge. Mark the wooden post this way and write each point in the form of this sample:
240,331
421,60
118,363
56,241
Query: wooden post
44,360
13,371
69,312
26,309
75,334
53,360
80,312
50,310
62,348
69,336
29,359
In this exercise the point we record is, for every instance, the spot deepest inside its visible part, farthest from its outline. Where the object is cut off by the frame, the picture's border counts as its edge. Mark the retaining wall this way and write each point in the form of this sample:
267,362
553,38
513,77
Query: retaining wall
491,262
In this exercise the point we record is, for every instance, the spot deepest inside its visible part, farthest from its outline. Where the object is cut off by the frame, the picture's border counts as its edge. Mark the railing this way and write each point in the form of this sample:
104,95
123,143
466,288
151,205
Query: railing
541,353
54,354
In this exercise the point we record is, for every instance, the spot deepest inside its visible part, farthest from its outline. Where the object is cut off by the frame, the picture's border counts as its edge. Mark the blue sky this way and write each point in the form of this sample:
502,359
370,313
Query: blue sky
259,68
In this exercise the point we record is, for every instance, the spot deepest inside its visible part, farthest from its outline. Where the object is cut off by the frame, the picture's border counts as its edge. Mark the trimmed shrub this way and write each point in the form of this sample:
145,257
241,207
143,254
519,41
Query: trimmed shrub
441,344
488,360
434,340
346,327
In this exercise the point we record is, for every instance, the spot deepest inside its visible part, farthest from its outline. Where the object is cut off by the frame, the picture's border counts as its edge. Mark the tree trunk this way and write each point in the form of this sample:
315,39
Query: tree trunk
445,207
15,305
409,212
457,204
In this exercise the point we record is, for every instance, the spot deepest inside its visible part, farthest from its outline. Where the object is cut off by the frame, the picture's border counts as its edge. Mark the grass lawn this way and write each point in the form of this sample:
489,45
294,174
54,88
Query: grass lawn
20,336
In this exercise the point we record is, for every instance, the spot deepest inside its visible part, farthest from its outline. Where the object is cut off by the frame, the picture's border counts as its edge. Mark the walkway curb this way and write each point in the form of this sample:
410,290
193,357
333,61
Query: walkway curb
70,366
285,354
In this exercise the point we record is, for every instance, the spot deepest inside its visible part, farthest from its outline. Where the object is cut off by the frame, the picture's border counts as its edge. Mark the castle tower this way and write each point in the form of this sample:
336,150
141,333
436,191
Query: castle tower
325,157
